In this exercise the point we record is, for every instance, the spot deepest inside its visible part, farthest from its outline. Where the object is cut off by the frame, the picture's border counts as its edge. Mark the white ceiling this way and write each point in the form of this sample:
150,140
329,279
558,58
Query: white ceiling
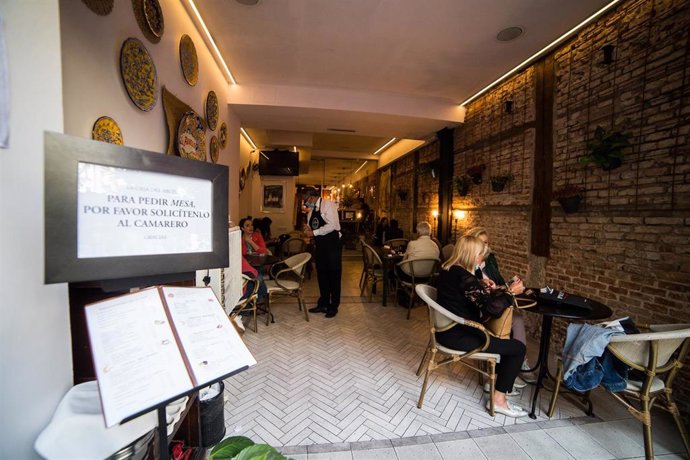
382,68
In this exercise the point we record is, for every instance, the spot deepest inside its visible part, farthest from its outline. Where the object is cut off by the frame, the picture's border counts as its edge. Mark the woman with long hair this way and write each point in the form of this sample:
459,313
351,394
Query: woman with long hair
462,293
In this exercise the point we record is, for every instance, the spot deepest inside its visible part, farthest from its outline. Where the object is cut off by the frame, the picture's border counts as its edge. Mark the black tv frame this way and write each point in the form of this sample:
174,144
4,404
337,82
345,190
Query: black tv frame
267,166
61,158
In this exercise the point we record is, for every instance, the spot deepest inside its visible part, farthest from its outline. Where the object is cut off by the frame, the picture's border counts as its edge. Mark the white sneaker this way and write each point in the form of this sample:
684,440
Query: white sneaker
512,410
529,377
519,383
513,392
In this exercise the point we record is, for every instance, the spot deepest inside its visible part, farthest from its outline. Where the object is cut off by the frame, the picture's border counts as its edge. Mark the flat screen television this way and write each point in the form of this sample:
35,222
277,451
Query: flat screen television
278,163
119,213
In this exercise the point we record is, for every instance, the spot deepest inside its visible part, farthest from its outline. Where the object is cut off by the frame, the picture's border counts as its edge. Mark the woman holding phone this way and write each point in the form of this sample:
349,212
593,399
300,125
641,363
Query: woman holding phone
489,272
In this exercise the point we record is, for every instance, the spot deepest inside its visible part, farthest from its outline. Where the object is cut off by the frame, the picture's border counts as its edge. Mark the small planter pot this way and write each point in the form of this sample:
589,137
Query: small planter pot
612,164
476,178
570,204
498,186
462,190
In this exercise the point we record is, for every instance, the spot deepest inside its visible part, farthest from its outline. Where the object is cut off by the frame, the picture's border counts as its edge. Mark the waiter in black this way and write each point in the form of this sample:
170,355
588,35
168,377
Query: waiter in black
324,225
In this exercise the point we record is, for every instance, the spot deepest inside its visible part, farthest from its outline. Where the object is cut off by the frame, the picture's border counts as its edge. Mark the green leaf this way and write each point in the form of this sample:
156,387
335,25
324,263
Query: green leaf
229,447
260,452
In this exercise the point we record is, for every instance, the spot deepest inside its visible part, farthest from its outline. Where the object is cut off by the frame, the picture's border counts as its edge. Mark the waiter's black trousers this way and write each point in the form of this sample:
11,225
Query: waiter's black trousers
329,253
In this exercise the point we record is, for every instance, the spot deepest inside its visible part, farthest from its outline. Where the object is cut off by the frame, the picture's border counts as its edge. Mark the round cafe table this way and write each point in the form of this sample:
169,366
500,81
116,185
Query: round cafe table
550,309
258,261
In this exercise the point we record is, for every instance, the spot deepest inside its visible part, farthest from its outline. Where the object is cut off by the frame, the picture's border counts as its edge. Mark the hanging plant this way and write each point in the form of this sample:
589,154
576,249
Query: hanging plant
569,197
402,194
430,168
606,149
499,181
462,185
475,172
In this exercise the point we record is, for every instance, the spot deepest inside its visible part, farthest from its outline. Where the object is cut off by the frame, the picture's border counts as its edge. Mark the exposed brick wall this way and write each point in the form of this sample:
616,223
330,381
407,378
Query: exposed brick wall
427,185
628,246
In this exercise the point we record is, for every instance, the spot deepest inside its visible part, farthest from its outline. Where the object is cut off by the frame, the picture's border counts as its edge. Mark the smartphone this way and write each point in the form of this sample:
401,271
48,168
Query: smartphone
512,280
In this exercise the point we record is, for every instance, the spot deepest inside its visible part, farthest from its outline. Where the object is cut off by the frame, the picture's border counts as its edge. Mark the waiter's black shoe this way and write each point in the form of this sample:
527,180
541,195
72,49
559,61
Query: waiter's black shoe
331,314
317,310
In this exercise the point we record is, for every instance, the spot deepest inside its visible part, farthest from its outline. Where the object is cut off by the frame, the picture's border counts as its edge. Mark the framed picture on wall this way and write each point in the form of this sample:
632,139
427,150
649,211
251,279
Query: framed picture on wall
273,197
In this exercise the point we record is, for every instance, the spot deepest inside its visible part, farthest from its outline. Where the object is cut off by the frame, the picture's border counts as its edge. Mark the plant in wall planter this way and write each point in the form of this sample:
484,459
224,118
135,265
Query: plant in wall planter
462,185
499,181
475,172
402,194
606,149
430,168
569,196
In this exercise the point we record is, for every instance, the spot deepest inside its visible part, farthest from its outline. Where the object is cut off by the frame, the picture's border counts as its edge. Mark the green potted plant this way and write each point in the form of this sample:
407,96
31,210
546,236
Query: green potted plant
606,149
499,181
475,172
243,448
402,194
569,197
462,185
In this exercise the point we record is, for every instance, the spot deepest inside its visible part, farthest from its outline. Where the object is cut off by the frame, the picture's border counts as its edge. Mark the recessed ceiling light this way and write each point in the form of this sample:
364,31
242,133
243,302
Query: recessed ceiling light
508,34
248,2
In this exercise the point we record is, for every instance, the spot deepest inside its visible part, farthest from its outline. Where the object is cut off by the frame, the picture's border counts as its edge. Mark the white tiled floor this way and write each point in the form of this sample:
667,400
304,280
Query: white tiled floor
345,388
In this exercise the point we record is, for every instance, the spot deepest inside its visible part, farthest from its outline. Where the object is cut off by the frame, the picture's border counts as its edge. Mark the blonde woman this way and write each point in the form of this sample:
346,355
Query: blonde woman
489,271
462,293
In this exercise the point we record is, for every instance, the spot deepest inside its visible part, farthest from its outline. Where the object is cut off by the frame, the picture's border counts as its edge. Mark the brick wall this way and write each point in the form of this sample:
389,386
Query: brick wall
628,245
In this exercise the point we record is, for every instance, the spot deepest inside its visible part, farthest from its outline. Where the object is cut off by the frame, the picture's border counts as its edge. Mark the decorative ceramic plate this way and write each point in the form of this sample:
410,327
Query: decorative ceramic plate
107,130
191,137
100,7
243,179
139,74
154,16
189,60
213,149
223,135
212,110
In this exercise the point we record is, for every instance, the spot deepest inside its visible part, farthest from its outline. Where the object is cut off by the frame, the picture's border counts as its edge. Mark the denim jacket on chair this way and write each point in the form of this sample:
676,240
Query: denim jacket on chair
587,363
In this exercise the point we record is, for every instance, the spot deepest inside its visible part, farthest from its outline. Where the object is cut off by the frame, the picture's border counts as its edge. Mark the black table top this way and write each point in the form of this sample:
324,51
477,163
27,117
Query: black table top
258,260
589,309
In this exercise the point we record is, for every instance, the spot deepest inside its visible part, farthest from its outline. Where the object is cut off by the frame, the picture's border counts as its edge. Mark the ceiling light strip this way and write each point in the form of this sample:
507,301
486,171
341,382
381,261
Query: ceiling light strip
385,146
541,52
209,40
248,138
367,161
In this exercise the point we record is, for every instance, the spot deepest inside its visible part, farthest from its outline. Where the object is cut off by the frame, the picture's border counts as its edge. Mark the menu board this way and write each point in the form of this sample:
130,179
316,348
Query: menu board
158,343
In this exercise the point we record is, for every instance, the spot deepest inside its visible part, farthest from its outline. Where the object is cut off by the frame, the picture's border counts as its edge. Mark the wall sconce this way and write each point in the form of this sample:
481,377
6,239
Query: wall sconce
359,216
608,53
508,106
457,215
434,214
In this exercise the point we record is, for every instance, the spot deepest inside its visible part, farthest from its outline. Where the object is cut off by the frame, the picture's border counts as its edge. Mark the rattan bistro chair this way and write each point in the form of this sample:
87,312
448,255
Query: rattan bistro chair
441,320
399,244
292,246
659,354
446,252
249,302
418,271
288,278
372,271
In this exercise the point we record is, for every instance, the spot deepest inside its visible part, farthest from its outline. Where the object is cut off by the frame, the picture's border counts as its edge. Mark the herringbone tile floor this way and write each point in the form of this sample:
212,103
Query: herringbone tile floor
351,378
346,389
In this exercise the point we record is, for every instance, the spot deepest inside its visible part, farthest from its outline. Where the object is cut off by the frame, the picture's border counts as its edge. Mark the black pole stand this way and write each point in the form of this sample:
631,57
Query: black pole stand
162,433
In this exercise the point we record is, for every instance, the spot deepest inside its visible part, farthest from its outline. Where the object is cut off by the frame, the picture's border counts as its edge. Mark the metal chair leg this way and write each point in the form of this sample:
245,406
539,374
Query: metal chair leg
268,308
429,367
424,358
556,388
409,306
303,306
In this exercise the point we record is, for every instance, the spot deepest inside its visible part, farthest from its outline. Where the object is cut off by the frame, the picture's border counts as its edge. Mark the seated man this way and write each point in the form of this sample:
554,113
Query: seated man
421,248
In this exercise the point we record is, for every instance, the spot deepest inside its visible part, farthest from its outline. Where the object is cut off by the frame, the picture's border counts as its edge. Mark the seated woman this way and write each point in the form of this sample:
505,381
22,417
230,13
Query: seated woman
252,241
489,270
394,231
460,292
381,233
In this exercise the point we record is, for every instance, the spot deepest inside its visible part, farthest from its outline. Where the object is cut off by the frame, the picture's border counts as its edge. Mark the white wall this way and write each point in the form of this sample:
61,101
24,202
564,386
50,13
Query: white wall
35,352
93,86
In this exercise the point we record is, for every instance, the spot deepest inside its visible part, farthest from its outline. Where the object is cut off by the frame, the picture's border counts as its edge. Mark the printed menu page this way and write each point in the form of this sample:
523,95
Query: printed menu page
211,344
137,360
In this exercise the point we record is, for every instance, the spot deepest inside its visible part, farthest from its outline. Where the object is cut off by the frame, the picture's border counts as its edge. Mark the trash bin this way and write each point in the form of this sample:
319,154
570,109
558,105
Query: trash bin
211,414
